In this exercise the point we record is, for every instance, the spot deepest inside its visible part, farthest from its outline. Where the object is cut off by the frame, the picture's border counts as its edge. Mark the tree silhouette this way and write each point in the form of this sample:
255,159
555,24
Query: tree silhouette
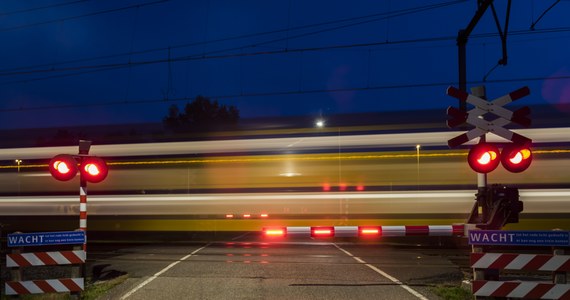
202,114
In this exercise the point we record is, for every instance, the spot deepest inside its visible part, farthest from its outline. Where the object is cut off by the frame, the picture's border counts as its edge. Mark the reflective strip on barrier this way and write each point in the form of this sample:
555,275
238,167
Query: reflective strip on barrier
518,289
45,258
44,286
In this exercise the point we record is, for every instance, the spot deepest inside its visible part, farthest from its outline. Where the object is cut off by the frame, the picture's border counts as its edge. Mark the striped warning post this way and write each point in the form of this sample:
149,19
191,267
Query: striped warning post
45,258
527,262
44,286
83,208
523,290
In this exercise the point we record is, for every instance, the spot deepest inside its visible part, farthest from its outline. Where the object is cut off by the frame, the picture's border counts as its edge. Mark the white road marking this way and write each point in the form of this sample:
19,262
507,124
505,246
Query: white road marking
153,277
391,278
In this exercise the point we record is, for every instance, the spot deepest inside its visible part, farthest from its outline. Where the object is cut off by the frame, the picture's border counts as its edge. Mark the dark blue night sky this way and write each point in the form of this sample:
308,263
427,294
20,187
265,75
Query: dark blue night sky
69,63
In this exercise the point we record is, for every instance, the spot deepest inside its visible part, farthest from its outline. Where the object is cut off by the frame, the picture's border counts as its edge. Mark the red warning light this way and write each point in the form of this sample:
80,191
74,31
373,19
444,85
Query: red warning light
93,169
274,231
369,231
63,167
516,158
484,158
322,231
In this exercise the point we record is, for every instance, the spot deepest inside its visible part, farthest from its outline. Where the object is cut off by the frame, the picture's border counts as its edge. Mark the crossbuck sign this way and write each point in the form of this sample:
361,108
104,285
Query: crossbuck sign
483,107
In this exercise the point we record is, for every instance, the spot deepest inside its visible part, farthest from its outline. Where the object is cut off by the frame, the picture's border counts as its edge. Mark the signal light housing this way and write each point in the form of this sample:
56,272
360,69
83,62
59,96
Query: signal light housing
516,158
484,158
63,167
93,169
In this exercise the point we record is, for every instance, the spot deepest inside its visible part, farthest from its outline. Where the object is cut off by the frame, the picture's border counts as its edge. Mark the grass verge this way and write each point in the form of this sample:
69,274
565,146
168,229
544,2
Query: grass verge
452,293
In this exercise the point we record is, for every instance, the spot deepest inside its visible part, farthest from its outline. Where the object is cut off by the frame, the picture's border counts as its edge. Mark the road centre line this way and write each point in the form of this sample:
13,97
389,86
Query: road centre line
386,275
153,277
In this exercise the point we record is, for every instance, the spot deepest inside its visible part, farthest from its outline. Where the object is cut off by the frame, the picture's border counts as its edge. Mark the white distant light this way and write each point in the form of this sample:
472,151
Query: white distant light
320,123
290,174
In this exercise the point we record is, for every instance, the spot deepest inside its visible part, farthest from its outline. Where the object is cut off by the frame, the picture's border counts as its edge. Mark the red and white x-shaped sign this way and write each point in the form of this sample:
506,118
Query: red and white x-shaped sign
495,107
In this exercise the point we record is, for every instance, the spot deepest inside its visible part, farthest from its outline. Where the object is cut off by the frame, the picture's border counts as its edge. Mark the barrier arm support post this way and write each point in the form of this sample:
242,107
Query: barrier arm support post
559,277
84,147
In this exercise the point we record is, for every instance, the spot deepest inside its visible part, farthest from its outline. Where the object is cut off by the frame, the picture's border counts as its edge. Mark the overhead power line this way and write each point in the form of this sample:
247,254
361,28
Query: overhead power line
112,10
278,93
375,17
542,15
201,57
27,10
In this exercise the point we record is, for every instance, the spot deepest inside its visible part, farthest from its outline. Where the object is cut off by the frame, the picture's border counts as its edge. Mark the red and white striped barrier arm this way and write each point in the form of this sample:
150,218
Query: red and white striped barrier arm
365,231
44,286
523,290
426,230
528,262
45,258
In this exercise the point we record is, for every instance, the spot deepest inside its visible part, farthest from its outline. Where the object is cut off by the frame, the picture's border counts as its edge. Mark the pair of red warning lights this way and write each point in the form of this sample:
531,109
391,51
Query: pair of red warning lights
485,157
64,167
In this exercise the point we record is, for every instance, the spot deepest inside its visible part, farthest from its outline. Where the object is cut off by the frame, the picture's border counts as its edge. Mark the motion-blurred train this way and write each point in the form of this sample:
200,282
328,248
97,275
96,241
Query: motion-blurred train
245,183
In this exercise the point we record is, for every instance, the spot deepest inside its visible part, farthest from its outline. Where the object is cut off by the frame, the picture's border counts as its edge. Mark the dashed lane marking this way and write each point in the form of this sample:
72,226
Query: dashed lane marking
388,276
153,277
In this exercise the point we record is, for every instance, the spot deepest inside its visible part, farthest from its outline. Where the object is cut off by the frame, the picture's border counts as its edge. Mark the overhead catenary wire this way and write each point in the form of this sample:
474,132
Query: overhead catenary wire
200,57
28,10
376,17
91,14
280,93
106,67
543,13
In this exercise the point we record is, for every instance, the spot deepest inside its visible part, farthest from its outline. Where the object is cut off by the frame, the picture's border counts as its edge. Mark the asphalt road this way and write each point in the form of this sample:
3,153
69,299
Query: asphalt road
250,268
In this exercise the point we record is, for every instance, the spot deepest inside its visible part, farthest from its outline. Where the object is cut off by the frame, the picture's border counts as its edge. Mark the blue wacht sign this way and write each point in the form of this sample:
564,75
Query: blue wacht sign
46,238
519,238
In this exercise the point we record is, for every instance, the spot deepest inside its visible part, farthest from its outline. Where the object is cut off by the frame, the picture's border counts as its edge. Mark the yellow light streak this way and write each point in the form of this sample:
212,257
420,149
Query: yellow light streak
298,157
